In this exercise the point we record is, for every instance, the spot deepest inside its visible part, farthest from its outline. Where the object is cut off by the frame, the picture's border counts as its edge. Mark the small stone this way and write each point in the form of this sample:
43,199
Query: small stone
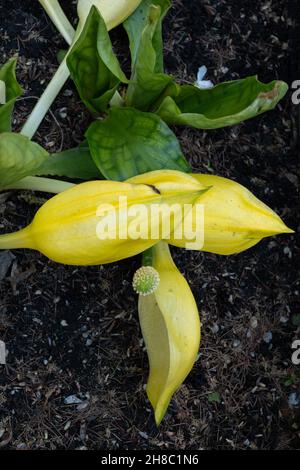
287,251
236,343
72,400
272,245
64,323
82,406
224,69
284,319
227,359
67,426
63,113
294,399
22,446
68,93
253,322
292,178
215,328
268,336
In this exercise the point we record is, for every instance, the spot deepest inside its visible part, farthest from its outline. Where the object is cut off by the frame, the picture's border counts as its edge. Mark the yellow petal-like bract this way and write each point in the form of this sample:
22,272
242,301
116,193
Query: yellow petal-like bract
66,228
171,329
234,219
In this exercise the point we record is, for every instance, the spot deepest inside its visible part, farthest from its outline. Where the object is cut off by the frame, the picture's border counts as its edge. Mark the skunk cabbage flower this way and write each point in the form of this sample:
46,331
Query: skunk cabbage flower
103,221
170,325
146,280
234,219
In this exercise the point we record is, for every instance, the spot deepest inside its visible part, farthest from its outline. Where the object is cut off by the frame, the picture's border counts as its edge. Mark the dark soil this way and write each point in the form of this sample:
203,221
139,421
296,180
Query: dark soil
75,331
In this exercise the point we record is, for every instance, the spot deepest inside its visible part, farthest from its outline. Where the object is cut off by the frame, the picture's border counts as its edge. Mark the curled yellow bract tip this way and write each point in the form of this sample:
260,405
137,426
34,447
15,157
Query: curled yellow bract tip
170,325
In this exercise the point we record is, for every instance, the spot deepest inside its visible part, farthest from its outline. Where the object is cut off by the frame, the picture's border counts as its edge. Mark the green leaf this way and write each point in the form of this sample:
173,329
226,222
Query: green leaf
93,65
224,105
129,142
135,25
291,380
147,83
74,163
214,397
11,90
296,320
19,157
61,55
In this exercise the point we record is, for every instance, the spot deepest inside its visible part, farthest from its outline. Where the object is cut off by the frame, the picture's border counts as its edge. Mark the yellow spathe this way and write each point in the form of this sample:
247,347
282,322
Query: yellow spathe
170,325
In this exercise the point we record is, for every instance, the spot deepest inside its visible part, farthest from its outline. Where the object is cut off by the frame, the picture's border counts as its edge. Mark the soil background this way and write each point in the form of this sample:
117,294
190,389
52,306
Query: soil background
76,366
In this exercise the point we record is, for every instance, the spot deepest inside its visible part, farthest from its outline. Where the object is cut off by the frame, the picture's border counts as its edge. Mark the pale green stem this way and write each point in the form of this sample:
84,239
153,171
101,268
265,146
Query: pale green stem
54,87
2,92
41,108
45,185
58,17
147,258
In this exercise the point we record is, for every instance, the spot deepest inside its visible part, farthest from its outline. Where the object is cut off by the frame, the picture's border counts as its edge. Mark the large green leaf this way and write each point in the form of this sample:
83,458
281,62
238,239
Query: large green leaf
11,90
93,65
224,105
147,83
74,163
19,157
130,142
135,25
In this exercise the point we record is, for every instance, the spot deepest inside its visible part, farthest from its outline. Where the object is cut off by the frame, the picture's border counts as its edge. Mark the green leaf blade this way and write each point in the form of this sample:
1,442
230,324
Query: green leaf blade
214,397
130,142
224,105
74,163
148,82
93,65
19,157
12,91
135,25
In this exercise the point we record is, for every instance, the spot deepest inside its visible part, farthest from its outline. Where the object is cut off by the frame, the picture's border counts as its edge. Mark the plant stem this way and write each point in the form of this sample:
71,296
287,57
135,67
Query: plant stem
61,75
147,258
41,108
45,185
20,239
2,92
58,17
